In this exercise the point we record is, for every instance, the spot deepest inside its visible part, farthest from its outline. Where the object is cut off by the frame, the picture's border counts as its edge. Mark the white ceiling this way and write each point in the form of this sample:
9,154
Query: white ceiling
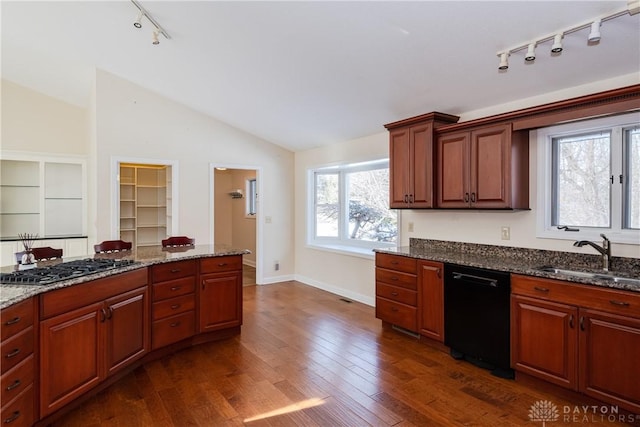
305,74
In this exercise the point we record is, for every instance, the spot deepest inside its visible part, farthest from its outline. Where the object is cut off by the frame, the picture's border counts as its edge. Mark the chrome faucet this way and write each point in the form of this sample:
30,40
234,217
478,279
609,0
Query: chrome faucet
605,249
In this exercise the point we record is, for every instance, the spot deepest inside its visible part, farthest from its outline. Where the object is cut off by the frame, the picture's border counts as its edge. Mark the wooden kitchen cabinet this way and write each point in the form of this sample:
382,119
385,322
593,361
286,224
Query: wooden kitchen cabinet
578,336
431,299
411,166
220,293
174,300
88,332
484,168
397,291
18,347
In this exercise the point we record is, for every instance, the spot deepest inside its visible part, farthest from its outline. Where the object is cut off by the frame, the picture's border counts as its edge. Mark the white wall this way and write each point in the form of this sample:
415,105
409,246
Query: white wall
135,123
354,277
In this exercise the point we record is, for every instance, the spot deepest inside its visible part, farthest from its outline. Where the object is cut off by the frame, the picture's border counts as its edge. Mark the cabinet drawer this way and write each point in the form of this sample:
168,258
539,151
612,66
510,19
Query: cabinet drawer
16,318
218,264
16,349
614,301
16,380
397,294
173,288
173,329
396,278
396,262
396,313
173,270
20,412
173,306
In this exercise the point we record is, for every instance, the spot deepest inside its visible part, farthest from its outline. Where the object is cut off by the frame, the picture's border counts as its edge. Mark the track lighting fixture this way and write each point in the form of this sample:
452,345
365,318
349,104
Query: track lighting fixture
138,22
594,35
531,53
633,7
557,44
157,29
504,61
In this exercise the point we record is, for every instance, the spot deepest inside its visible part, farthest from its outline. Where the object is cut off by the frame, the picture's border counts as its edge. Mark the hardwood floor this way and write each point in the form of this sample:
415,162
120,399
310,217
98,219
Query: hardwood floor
305,357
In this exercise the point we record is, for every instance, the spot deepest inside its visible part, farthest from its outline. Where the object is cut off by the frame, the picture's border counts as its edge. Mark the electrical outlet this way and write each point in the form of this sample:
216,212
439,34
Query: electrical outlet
505,233
276,267
410,227
267,220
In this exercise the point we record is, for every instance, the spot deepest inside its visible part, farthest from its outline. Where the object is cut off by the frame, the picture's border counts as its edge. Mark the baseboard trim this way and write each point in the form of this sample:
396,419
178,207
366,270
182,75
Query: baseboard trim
364,299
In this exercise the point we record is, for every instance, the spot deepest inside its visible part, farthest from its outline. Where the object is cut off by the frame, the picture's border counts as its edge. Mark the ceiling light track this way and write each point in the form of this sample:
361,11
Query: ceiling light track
633,7
157,28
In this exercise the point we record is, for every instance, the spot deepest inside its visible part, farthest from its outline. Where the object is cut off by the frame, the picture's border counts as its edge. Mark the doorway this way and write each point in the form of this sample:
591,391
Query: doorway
236,212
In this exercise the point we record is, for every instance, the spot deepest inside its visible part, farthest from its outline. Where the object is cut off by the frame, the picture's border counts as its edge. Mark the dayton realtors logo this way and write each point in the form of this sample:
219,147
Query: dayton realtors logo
545,411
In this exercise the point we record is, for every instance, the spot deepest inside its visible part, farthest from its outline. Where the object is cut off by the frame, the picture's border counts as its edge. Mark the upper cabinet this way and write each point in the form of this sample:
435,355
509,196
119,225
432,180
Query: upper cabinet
411,152
483,168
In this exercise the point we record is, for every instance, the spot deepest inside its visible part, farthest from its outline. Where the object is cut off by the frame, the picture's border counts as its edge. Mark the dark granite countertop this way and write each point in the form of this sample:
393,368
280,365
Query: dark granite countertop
520,261
145,256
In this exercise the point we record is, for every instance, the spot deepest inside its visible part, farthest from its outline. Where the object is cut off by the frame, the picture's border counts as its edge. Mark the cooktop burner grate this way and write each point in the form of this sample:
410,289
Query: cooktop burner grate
63,271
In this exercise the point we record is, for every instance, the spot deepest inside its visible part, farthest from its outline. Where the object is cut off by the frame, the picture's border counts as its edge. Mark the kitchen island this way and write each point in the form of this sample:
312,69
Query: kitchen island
65,340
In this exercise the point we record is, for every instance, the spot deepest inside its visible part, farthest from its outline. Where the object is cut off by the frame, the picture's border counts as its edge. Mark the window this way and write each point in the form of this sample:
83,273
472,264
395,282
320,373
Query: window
252,197
349,206
589,179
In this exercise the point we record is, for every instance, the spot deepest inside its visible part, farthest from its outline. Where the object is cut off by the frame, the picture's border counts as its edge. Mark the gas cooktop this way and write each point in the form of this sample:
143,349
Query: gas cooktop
63,271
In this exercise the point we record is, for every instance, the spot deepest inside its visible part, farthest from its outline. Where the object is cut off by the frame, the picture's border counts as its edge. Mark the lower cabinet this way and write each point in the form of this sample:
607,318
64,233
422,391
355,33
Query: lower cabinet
220,293
396,291
431,299
88,332
582,338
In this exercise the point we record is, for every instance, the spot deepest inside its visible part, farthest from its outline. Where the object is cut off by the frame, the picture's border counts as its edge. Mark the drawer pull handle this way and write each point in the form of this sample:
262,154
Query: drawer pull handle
222,264
175,306
13,353
174,324
12,321
394,278
12,418
175,288
15,384
571,321
394,309
582,323
395,262
541,289
620,303
104,315
395,294
175,270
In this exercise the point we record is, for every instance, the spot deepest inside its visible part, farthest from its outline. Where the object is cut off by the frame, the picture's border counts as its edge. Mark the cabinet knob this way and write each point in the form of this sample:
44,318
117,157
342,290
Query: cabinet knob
175,306
395,294
175,270
619,303
175,288
175,324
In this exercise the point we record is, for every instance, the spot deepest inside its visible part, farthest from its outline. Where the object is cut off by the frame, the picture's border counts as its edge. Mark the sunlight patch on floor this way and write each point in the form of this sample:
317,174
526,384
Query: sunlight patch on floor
298,406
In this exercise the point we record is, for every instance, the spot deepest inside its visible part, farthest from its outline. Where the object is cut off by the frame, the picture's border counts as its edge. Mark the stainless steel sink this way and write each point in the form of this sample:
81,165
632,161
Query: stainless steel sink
591,275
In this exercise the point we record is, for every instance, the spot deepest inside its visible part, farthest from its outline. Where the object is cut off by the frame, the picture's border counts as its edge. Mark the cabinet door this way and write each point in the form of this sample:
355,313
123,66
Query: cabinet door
453,171
490,167
609,354
70,356
399,170
421,166
220,301
127,328
544,340
431,300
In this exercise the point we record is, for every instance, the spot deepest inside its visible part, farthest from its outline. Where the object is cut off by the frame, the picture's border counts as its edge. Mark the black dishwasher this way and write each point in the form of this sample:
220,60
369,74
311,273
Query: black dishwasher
476,317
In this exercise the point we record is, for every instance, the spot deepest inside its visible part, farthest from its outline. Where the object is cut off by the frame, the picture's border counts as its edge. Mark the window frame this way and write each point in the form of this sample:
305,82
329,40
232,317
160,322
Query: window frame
342,243
545,170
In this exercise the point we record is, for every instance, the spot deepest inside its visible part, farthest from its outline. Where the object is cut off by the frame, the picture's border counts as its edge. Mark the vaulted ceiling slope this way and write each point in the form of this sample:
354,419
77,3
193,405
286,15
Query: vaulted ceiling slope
305,74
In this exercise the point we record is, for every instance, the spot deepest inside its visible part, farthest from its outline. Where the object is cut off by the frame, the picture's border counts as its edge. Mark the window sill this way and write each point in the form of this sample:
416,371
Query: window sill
354,251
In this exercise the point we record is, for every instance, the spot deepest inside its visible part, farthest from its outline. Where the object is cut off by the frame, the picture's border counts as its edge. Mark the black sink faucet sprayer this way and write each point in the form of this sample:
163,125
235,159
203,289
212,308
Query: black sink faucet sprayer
605,249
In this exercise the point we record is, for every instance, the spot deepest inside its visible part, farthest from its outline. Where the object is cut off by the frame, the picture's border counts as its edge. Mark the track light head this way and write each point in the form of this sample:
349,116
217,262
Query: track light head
154,37
557,44
504,62
137,23
531,53
594,35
